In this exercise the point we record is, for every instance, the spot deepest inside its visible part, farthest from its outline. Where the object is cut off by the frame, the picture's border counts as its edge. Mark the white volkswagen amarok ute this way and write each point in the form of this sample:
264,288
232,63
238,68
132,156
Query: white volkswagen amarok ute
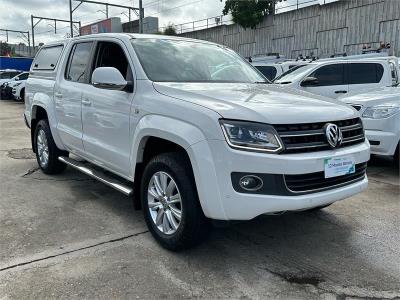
190,130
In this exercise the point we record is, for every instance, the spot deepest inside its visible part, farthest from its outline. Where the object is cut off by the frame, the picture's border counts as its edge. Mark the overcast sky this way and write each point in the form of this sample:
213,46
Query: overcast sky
15,14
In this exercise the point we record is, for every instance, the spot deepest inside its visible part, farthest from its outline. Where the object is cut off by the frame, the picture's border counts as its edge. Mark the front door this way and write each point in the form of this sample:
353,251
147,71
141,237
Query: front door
106,113
330,81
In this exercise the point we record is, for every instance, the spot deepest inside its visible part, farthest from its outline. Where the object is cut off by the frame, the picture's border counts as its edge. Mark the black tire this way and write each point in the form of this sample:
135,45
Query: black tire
396,156
22,95
53,166
194,226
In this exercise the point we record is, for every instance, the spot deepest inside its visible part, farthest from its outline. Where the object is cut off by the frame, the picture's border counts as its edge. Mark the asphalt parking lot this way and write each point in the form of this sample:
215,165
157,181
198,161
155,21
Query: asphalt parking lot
68,236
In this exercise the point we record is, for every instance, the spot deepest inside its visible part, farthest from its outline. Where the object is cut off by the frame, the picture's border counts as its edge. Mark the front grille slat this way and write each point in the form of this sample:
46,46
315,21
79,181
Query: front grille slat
351,127
317,181
310,137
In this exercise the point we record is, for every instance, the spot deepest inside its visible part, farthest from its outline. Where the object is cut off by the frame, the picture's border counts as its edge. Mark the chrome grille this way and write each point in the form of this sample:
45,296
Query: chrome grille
309,137
315,182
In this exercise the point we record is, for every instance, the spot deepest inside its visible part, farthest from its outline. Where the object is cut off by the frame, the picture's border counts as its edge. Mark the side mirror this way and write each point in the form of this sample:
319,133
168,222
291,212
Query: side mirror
108,78
16,78
309,81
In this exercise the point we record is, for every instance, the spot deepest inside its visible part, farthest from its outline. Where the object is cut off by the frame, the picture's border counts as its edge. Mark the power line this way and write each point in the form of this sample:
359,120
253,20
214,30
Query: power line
164,10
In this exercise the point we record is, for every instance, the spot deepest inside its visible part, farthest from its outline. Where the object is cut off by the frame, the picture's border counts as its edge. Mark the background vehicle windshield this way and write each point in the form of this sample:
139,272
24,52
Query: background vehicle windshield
187,61
292,76
291,70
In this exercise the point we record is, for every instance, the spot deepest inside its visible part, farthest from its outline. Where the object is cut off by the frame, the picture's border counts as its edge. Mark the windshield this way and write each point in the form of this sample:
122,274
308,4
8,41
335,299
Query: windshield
186,61
289,77
7,75
291,69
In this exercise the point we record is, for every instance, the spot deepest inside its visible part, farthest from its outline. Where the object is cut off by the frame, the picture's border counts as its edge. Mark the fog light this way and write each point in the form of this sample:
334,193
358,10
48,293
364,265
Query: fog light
250,183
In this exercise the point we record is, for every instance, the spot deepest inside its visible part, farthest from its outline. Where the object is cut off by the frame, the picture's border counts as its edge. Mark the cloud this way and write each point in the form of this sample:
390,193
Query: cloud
16,15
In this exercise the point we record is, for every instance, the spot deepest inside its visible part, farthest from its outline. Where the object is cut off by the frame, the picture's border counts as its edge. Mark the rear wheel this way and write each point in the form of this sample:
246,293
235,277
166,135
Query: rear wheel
396,155
170,202
46,150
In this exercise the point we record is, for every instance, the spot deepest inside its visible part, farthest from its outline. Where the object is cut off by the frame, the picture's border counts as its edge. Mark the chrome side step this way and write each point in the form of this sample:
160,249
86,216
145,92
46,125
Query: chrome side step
100,176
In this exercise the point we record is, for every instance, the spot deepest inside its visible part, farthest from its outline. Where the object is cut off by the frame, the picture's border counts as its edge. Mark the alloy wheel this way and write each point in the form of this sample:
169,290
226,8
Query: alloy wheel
164,202
42,148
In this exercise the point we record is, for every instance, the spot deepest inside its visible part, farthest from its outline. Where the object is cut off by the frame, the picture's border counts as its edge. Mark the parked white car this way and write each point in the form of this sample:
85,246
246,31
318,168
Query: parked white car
18,86
380,111
190,130
8,75
338,77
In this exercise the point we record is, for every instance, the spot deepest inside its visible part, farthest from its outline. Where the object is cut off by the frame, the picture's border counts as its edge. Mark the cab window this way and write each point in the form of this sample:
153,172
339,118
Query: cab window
23,76
8,75
267,71
78,62
47,58
109,54
362,73
329,75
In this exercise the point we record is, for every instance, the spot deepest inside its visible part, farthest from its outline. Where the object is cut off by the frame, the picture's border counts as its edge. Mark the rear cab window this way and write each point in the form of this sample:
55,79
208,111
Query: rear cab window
363,73
47,58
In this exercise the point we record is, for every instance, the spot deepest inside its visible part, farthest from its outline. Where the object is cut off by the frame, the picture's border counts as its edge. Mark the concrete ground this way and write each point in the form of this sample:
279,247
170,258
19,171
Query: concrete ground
69,236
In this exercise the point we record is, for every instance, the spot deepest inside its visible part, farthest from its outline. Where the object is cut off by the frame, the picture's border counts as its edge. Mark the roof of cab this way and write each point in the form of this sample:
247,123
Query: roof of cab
127,36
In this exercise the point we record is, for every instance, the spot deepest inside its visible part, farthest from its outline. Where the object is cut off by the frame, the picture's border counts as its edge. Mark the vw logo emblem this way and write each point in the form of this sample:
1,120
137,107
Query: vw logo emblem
333,135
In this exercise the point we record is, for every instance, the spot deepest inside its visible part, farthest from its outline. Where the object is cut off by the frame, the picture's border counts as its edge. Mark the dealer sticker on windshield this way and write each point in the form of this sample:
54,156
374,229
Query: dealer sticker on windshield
339,166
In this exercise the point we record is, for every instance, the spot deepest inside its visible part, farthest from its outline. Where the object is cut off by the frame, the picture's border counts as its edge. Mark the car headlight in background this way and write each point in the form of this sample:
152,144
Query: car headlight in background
381,111
251,136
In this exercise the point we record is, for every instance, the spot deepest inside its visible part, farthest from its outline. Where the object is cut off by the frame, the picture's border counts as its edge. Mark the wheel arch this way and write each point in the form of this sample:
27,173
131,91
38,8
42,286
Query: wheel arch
159,134
43,108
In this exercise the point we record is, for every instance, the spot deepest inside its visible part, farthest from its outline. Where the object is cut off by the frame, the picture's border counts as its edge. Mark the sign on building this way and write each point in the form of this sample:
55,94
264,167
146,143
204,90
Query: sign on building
104,26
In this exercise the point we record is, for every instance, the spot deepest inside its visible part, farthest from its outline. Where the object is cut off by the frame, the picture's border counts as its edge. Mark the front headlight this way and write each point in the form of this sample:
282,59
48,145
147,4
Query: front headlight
381,111
251,136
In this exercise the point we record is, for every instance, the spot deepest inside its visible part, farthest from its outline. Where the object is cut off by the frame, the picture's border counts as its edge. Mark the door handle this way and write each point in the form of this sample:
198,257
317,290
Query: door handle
340,92
58,95
86,102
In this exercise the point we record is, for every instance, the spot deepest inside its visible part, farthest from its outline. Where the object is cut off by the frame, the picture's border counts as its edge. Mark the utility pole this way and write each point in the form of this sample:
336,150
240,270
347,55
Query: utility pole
33,34
70,19
24,36
48,19
140,16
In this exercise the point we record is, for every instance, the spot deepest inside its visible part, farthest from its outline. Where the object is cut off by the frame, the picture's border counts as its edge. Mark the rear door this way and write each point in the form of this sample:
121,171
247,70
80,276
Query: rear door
365,75
331,81
106,113
72,81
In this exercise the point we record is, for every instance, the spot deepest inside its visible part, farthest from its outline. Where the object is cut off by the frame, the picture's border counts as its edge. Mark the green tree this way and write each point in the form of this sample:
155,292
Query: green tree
249,13
170,30
5,49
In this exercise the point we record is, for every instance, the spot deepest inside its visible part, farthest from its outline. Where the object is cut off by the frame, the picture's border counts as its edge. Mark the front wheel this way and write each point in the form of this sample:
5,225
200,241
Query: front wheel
170,202
46,150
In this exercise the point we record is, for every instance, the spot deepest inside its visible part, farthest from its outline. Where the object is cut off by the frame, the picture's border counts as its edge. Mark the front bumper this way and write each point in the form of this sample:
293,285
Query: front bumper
214,162
383,134
382,143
